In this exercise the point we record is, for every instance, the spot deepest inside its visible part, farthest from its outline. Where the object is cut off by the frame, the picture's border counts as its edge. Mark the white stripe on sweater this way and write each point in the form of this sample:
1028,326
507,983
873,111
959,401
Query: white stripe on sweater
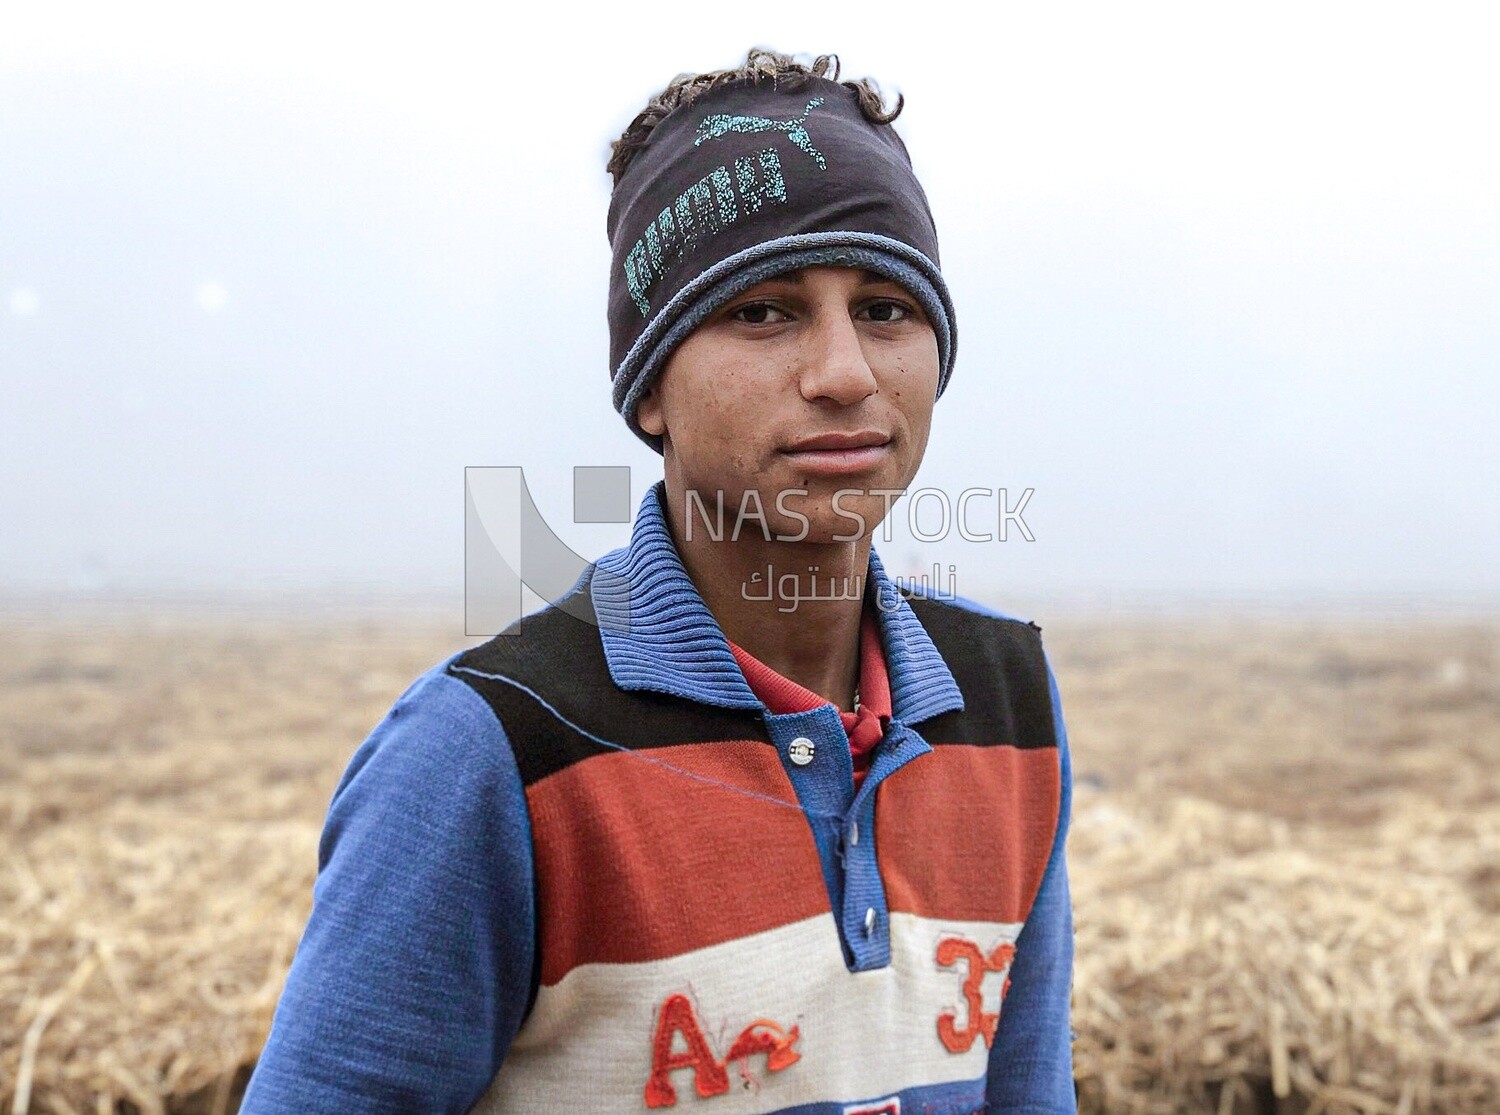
587,1045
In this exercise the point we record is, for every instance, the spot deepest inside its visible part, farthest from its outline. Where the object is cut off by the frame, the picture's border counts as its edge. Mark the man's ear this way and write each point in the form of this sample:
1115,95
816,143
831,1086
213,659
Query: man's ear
648,412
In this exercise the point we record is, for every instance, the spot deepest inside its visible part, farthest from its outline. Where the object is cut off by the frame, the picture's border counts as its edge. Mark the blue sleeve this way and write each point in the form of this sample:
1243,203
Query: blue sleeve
1031,1062
415,969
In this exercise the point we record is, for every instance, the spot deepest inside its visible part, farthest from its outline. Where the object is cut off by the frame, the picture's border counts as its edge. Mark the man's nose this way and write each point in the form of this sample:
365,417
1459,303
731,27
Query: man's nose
834,365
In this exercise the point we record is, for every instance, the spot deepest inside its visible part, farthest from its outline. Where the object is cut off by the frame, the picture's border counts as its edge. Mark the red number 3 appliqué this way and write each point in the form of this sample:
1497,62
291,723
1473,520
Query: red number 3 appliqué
951,951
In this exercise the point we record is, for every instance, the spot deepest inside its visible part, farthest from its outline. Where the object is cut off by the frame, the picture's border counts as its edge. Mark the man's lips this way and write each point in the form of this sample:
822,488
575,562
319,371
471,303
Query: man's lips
860,439
840,452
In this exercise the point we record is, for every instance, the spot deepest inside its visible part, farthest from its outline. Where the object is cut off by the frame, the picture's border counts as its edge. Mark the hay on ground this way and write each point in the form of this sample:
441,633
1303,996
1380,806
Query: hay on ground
1285,855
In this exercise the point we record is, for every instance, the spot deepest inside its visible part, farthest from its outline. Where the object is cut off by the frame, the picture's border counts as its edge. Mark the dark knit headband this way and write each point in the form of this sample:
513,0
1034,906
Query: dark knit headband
747,182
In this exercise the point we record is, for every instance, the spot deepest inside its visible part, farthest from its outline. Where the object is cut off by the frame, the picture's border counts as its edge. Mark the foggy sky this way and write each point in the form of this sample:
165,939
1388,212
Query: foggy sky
1224,284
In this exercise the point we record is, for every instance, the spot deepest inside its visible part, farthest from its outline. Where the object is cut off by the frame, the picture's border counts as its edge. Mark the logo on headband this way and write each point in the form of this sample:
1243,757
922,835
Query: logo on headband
718,199
720,125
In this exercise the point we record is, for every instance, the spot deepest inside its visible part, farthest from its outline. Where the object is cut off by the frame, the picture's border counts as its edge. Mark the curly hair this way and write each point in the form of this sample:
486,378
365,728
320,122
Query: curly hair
759,66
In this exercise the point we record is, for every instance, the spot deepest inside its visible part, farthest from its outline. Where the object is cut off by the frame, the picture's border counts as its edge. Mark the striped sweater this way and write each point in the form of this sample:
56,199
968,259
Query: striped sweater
583,868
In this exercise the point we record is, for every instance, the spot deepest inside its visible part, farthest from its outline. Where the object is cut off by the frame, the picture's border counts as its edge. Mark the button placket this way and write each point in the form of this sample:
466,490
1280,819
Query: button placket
814,748
863,917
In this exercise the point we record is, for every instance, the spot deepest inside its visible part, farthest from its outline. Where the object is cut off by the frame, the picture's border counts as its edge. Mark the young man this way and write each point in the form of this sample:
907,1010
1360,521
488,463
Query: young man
739,825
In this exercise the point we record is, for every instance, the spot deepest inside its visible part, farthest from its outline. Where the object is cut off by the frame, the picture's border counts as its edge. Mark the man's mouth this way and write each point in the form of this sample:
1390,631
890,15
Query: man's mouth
834,453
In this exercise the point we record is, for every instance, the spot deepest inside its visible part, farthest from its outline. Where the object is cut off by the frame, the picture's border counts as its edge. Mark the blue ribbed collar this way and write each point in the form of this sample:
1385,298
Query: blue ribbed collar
659,635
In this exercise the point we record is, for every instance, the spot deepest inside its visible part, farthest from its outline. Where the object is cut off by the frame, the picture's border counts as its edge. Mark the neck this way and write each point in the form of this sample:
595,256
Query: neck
796,606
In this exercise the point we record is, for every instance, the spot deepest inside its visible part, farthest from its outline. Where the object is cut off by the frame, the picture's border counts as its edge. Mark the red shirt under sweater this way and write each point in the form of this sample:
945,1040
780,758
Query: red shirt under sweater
866,727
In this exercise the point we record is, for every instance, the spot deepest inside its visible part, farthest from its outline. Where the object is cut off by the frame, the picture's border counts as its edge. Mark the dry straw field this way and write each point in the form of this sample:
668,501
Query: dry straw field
1286,852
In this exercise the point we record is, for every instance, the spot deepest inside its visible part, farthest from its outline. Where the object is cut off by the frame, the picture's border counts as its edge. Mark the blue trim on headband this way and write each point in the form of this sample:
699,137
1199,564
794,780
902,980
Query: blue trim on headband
692,305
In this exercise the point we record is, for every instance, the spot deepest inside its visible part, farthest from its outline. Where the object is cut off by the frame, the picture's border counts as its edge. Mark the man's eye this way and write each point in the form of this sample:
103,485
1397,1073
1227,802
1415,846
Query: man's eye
758,313
887,311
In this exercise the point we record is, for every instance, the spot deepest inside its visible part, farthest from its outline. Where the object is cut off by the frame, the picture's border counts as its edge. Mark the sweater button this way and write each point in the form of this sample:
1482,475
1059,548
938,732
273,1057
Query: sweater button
801,751
869,921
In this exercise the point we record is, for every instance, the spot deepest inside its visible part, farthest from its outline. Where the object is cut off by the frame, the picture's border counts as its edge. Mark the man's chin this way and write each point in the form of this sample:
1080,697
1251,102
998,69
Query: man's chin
845,513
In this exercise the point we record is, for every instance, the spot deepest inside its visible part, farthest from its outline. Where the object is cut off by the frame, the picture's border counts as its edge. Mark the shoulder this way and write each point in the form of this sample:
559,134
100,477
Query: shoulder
555,649
437,722
435,770
999,664
959,615
972,636
546,679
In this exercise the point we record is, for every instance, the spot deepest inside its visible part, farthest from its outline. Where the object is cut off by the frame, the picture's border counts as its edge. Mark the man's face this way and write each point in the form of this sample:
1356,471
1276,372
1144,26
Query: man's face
817,381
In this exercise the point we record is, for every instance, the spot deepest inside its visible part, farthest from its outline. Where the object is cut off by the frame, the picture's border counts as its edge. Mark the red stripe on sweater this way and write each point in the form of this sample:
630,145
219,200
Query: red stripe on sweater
646,855
980,822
